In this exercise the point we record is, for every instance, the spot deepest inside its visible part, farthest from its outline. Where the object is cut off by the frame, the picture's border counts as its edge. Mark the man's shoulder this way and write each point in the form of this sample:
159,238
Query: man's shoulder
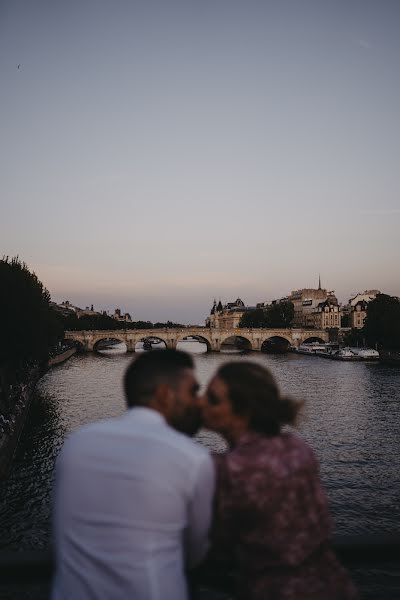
160,434
185,444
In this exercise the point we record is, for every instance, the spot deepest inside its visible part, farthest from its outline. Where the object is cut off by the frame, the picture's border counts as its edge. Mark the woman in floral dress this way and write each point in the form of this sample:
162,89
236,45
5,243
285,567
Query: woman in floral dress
272,514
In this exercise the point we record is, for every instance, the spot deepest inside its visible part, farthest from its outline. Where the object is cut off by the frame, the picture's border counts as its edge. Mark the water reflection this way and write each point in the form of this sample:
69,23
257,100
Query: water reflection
26,495
351,418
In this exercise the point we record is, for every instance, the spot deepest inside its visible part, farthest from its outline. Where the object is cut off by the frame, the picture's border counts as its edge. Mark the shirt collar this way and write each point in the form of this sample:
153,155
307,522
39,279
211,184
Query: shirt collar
145,414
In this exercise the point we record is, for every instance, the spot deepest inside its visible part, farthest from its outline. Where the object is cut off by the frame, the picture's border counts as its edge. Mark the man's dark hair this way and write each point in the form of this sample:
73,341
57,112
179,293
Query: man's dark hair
150,369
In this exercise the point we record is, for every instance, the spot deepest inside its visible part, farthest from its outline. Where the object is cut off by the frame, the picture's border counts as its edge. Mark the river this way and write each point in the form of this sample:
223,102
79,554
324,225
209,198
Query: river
351,418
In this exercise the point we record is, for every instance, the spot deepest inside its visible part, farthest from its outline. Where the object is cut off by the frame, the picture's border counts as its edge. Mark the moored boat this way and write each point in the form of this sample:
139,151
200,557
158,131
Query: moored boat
312,348
366,353
344,354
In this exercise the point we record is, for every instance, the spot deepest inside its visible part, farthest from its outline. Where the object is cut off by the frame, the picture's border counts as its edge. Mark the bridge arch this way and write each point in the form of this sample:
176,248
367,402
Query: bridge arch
244,341
313,338
200,338
105,338
275,344
149,344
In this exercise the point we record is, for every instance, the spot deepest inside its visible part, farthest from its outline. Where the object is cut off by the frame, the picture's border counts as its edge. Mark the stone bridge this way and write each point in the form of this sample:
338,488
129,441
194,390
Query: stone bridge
253,339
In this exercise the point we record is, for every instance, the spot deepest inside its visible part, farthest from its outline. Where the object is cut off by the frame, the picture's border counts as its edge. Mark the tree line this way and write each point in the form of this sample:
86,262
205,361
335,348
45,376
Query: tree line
279,315
104,322
29,327
382,323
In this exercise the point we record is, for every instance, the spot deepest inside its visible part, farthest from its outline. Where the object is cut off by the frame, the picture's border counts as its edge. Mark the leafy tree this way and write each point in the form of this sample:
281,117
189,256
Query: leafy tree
29,327
345,321
253,318
355,337
141,325
382,324
105,322
168,325
89,322
275,315
279,315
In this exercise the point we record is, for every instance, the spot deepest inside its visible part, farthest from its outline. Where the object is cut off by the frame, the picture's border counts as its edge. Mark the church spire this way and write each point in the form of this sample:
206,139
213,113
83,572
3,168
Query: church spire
214,306
319,281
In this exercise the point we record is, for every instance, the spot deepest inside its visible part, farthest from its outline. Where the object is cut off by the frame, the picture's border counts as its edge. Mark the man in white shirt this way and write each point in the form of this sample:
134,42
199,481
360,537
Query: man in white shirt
133,495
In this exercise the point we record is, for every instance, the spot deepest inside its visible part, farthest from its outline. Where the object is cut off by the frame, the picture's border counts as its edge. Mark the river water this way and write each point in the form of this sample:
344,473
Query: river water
351,418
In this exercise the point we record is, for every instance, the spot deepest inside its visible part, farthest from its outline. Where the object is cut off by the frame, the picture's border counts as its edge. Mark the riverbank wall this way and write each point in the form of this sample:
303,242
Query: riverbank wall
12,421
62,357
18,399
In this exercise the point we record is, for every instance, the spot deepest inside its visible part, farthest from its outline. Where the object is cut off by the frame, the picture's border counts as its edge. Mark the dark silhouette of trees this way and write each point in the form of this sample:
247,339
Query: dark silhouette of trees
280,314
277,315
29,328
168,325
382,324
107,323
253,318
90,322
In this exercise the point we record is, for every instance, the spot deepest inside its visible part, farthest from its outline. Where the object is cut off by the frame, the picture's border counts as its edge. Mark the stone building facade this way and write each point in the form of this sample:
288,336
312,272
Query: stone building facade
327,315
307,305
357,308
226,316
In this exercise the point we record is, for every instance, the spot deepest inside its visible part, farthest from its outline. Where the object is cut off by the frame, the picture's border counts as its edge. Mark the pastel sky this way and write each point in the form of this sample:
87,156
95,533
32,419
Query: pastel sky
155,155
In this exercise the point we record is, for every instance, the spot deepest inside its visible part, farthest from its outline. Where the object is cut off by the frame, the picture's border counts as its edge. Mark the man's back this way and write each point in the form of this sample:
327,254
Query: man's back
132,496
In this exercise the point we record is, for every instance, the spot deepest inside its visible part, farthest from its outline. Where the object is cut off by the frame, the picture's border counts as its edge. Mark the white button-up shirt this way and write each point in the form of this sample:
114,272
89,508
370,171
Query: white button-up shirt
133,503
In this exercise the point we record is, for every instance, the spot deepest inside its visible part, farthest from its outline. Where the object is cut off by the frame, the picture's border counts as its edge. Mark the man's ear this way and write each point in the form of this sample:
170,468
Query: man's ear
163,399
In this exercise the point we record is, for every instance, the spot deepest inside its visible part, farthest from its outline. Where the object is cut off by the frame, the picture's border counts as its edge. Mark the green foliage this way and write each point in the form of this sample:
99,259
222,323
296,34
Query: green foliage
382,324
168,325
253,318
106,323
140,325
355,337
29,327
345,321
90,322
280,314
277,315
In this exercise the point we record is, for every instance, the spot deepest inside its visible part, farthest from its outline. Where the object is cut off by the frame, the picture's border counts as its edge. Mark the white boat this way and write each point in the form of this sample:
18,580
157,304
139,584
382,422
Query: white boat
312,348
344,354
366,353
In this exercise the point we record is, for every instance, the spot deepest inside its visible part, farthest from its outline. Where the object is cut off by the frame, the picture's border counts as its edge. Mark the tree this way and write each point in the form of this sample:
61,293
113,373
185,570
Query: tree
89,322
382,324
279,315
253,318
29,327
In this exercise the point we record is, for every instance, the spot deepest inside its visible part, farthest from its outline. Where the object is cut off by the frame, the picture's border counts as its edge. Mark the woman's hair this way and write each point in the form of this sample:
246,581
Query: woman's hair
254,392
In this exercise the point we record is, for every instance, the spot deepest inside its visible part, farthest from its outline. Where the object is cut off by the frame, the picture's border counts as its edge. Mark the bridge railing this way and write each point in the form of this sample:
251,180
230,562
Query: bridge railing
29,567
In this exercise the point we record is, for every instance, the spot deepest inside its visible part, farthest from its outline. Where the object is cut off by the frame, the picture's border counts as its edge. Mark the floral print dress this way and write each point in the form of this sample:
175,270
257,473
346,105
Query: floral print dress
272,517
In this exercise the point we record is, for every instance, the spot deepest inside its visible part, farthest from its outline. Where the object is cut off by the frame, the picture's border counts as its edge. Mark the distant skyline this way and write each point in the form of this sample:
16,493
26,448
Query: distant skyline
155,155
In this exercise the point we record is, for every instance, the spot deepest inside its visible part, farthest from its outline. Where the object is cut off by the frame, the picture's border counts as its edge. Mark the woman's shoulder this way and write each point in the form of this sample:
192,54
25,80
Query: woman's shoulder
286,451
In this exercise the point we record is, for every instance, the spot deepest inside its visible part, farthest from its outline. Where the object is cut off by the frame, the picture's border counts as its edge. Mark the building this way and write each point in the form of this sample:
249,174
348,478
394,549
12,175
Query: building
67,309
226,316
357,308
327,315
358,313
306,303
267,303
125,318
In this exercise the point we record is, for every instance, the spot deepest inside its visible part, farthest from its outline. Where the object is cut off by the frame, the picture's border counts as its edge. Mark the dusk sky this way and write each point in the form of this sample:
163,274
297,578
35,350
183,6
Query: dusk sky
155,155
